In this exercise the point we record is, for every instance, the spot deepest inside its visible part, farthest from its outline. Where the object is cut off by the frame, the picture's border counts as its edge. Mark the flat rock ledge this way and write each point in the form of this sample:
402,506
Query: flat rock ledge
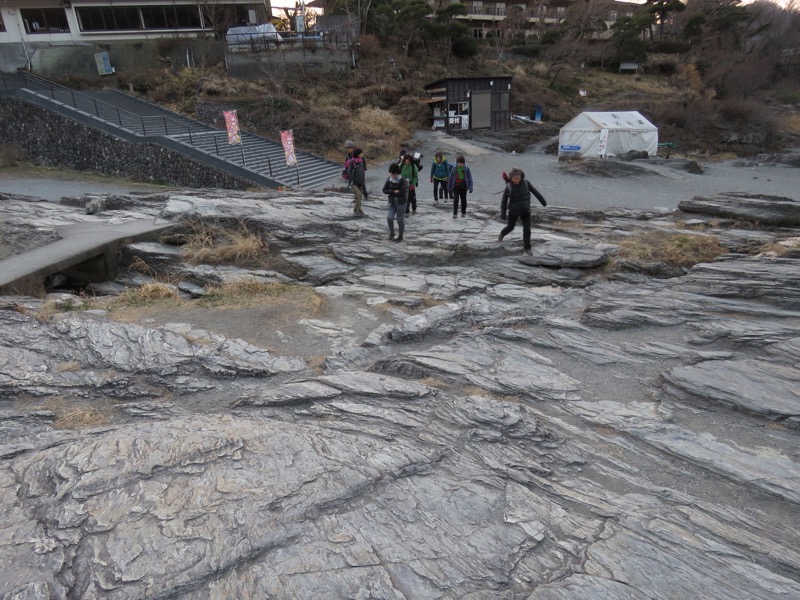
483,425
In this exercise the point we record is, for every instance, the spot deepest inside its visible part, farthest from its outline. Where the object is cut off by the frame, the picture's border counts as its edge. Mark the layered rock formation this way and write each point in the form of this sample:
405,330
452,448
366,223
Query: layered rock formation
484,425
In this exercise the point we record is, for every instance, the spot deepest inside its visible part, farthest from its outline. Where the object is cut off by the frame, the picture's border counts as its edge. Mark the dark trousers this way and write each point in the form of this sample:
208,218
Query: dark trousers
439,189
460,194
412,199
526,228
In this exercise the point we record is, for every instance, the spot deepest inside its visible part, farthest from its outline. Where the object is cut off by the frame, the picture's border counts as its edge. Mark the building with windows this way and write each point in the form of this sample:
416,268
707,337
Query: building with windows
27,26
484,16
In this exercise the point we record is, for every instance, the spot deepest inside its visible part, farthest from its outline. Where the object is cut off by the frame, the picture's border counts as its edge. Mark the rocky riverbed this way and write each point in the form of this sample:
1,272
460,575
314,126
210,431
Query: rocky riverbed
482,424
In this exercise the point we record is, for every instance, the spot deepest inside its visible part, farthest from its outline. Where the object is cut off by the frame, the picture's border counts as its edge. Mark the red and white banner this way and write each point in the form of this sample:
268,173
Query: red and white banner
232,125
287,139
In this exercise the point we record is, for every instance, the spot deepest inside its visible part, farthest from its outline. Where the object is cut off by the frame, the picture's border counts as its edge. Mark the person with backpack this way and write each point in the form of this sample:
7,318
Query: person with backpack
516,203
409,171
356,178
396,190
440,171
460,182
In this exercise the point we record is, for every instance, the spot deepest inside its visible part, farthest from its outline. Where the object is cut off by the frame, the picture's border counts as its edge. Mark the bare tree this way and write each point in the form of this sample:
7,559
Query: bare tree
509,29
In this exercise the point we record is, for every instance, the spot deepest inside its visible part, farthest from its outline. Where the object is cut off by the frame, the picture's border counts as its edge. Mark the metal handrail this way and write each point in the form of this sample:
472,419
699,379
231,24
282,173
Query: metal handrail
74,96
169,127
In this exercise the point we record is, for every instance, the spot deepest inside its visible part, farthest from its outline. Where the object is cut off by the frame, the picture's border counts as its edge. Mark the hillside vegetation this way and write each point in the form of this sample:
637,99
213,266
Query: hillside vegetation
722,78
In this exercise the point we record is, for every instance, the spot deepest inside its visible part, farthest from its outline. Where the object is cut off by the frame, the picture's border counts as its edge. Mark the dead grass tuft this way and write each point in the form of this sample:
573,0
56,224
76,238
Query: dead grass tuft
76,416
779,248
434,383
148,294
54,307
252,293
66,367
673,249
317,363
216,245
473,390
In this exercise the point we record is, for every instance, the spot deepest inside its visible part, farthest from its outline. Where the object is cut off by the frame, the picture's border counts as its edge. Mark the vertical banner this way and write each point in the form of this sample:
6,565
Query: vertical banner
232,125
287,139
602,143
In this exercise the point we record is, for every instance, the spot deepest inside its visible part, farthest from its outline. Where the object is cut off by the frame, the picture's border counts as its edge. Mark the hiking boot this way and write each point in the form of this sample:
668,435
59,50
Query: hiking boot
391,236
500,237
413,212
455,215
463,215
527,252
399,239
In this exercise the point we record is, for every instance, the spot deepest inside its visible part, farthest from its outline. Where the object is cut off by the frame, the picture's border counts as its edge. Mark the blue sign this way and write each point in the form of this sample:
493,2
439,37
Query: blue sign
571,148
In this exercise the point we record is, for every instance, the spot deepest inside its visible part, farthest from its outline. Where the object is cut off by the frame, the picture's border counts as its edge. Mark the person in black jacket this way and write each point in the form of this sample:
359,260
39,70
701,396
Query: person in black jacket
396,189
516,203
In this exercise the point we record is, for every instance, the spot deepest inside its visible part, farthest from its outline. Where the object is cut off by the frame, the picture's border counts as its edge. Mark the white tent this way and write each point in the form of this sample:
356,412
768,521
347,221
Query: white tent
604,134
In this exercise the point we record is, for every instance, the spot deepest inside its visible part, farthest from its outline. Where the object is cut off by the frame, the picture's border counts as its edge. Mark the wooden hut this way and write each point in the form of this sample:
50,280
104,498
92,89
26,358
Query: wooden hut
461,103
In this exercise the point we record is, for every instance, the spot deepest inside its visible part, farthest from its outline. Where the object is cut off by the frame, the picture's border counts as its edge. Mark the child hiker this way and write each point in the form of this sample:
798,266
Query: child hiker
440,171
516,203
460,182
409,171
396,190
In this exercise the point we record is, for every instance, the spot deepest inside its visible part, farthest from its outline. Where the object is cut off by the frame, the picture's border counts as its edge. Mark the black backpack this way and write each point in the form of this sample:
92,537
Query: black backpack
358,176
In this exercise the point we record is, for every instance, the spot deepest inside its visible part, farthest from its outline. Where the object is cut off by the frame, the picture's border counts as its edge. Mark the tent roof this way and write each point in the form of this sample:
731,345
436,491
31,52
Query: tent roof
630,120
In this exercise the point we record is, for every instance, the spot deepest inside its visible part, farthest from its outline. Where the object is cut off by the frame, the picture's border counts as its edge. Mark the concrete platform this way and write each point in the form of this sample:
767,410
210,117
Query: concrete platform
86,252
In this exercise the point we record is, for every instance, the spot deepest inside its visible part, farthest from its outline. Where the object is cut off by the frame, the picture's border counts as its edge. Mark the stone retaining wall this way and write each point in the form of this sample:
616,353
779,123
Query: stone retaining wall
53,140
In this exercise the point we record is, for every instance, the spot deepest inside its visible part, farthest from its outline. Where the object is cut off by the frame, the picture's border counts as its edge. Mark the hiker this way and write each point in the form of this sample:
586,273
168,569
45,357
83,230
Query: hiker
409,171
460,182
356,178
396,190
440,171
417,157
516,203
349,145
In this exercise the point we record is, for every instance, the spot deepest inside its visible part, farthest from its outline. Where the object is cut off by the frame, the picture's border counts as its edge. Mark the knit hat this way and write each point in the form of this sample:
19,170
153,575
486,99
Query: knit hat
349,144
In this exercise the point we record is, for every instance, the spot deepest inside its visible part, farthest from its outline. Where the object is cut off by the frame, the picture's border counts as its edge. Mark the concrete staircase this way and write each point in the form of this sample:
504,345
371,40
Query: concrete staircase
256,159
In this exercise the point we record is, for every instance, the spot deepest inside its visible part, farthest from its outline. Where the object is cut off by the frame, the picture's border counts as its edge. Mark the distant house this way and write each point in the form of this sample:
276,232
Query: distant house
462,103
27,26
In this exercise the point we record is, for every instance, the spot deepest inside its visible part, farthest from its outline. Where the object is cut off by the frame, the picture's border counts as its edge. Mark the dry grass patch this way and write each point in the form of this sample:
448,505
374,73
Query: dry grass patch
216,245
791,122
317,363
249,293
473,390
673,249
779,248
434,383
76,416
147,296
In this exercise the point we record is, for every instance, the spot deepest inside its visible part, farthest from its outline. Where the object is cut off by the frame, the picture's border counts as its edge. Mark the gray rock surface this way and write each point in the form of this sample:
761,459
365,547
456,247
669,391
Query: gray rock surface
481,426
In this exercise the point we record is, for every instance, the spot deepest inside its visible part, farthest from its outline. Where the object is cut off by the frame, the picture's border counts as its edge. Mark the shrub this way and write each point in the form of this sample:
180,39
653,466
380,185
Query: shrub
369,47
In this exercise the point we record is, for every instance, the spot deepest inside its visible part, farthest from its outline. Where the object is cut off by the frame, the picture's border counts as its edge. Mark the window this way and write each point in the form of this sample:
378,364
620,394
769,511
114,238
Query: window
109,19
44,20
171,17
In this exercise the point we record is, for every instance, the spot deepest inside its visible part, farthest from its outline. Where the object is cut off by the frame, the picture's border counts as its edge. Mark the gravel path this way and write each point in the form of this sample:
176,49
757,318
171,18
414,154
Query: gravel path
663,183
658,184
